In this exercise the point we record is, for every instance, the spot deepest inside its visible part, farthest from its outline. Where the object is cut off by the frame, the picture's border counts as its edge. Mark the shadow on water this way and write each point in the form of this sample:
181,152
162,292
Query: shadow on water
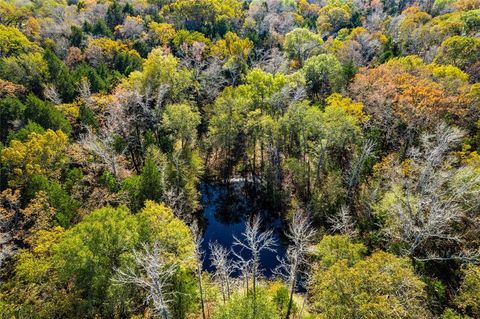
226,210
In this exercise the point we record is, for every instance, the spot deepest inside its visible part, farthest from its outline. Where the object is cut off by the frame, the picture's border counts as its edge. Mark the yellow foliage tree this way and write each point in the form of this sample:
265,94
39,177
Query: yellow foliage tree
232,46
41,154
379,286
163,33
14,42
350,107
157,223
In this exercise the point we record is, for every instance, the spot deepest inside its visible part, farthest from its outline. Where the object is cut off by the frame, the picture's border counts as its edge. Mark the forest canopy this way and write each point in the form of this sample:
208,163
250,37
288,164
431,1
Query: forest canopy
350,128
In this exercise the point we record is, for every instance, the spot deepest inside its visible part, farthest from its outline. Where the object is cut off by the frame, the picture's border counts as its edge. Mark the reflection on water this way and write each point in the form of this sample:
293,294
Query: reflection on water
225,212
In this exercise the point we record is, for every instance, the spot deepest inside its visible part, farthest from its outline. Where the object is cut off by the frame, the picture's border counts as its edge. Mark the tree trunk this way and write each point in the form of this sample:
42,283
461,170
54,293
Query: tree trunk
228,287
254,294
290,301
200,287
223,293
293,281
303,305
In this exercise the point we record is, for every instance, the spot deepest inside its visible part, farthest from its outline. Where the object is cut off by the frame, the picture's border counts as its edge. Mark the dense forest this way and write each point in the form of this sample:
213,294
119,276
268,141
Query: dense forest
356,123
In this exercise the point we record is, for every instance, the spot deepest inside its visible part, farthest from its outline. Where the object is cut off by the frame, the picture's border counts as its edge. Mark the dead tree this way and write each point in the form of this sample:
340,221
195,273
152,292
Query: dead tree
342,222
255,242
243,266
102,145
223,268
433,200
152,273
301,235
354,175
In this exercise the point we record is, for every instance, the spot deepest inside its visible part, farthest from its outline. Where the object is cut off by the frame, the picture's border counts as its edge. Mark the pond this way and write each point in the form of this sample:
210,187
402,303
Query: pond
226,209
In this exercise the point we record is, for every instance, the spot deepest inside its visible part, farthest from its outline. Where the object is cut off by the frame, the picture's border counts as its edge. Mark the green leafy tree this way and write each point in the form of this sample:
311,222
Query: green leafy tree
11,111
211,17
23,133
58,198
40,154
45,114
301,43
235,51
77,38
152,181
160,71
452,314
158,223
339,247
28,69
60,76
182,121
36,290
185,301
324,75
115,15
227,124
100,28
246,306
91,250
333,17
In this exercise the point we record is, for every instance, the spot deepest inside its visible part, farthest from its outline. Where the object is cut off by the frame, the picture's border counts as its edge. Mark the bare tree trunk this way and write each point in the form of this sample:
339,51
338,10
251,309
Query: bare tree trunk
254,283
199,258
200,288
227,281
134,161
290,300
223,293
303,305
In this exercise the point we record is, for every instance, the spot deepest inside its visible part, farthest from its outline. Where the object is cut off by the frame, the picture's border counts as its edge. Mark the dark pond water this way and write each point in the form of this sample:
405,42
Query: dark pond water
226,209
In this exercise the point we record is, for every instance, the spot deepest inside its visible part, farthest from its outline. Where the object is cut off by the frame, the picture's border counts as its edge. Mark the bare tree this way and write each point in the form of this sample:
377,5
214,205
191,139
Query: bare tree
255,242
9,214
51,93
208,72
175,199
101,141
132,28
301,235
223,267
85,91
434,201
152,273
354,176
102,145
198,240
342,222
243,266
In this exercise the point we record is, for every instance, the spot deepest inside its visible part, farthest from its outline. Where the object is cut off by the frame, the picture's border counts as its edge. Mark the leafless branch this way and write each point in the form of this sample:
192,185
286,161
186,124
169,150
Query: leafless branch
151,273
223,267
301,236
254,241
342,222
